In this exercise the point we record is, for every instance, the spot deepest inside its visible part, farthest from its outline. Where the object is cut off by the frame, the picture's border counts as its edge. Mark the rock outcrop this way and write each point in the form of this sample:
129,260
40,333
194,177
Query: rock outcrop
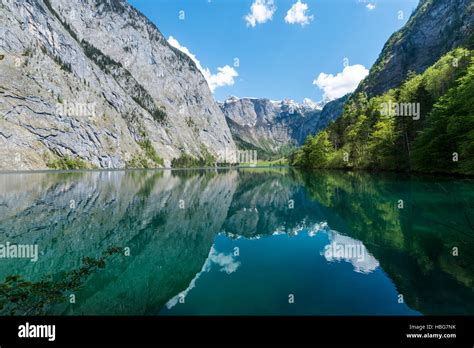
97,83
436,27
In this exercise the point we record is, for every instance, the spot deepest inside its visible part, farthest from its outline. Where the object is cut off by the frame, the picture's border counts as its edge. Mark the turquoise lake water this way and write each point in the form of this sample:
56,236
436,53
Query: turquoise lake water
237,242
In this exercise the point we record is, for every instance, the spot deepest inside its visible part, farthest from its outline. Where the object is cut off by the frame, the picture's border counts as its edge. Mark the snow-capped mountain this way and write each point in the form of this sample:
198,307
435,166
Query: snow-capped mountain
270,125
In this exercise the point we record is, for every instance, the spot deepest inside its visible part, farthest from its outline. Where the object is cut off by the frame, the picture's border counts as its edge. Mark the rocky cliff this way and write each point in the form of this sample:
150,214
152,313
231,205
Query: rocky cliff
94,83
434,28
273,126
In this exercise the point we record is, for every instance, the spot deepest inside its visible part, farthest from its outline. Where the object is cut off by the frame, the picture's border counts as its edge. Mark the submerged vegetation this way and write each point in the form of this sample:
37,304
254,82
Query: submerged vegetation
21,297
426,124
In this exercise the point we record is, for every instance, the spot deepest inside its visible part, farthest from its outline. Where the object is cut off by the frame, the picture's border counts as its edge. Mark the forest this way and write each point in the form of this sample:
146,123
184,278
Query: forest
424,125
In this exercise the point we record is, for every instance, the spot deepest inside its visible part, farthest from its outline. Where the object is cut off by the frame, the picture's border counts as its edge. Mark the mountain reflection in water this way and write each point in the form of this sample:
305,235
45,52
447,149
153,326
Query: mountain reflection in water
247,241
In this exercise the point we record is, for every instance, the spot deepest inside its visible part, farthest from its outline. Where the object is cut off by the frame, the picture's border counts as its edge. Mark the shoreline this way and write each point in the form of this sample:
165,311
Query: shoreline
346,170
61,171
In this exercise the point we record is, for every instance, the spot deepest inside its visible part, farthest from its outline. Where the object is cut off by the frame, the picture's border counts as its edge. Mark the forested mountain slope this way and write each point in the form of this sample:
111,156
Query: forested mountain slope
414,111
426,124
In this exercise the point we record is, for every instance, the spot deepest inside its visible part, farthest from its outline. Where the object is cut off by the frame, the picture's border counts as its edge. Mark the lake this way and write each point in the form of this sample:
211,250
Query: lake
255,241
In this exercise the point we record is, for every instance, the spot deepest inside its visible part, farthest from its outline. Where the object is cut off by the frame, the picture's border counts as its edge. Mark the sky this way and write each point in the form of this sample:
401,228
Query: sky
277,49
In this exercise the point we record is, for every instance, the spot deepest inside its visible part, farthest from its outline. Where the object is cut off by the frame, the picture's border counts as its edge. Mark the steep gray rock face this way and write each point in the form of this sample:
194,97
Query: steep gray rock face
269,126
96,81
436,27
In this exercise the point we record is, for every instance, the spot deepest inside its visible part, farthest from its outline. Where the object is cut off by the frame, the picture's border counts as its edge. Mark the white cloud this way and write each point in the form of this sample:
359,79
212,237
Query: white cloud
261,11
297,14
224,77
344,82
370,6
344,248
173,42
226,262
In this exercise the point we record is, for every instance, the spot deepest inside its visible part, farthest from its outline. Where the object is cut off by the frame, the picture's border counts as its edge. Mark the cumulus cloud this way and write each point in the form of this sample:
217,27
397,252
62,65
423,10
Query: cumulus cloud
261,11
226,262
344,82
344,248
297,14
224,77
370,6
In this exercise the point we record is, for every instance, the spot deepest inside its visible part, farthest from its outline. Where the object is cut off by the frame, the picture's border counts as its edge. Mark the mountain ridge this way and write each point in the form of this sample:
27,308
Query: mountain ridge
274,127
433,29
151,104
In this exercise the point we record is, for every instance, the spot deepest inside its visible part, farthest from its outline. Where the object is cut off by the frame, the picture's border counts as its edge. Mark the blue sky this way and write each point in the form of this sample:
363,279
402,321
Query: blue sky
280,53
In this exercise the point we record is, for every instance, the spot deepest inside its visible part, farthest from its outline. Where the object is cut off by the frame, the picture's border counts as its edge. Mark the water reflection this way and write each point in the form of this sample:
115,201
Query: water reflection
237,242
344,248
227,263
